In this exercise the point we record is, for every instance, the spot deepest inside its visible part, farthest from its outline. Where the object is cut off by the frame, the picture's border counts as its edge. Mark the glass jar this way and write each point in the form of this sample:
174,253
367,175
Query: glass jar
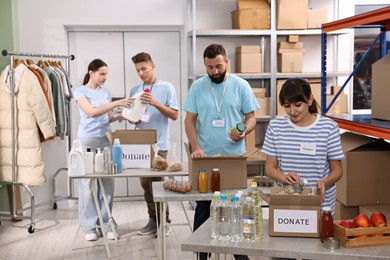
215,180
326,223
202,181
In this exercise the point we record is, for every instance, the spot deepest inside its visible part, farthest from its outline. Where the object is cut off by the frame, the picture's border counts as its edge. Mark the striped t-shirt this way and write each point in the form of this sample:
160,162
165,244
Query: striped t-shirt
286,142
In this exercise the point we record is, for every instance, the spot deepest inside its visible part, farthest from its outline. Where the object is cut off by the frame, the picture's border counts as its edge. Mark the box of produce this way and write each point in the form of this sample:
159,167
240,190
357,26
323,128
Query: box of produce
363,231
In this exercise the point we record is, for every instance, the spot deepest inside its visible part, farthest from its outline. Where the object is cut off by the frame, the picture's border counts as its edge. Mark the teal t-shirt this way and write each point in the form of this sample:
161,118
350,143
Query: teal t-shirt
237,101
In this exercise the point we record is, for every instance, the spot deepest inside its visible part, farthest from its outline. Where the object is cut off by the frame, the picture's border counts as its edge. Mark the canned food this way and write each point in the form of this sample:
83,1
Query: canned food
332,243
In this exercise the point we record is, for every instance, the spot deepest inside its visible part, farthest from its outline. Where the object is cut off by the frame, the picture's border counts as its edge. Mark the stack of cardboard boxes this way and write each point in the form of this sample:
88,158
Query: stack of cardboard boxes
290,55
364,186
251,14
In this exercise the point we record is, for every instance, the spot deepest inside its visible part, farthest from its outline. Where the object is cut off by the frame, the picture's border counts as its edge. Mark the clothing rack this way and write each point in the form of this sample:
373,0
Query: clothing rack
13,213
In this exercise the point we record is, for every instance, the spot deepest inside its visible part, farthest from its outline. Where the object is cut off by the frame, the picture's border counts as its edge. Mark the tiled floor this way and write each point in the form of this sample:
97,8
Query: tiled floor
55,233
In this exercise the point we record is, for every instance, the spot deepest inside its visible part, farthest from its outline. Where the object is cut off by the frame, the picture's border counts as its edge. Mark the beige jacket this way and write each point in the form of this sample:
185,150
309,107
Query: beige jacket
31,112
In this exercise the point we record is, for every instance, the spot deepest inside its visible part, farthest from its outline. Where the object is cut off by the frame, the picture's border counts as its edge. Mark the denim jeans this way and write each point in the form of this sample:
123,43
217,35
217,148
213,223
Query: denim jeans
90,217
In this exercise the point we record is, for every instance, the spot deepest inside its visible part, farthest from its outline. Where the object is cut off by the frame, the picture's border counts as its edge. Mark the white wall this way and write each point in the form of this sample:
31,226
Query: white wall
41,30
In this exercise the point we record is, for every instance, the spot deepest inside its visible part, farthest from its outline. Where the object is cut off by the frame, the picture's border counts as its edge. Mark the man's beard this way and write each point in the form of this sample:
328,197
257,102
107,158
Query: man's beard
218,79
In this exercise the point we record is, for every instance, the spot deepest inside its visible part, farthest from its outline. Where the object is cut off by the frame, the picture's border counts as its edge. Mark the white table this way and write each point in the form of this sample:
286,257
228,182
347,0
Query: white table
288,247
96,181
164,196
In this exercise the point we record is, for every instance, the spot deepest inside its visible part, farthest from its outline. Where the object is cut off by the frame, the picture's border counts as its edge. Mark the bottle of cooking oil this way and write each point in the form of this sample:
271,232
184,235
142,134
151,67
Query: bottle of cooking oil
255,194
248,220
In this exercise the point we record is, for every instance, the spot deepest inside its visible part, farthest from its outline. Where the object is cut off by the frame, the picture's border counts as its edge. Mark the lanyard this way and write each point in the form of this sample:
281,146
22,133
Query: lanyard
223,94
151,87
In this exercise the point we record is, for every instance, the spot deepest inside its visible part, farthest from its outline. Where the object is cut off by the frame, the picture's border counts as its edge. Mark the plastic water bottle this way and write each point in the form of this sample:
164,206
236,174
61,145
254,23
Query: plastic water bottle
223,227
248,220
294,188
99,162
117,154
254,192
88,156
236,220
213,214
136,110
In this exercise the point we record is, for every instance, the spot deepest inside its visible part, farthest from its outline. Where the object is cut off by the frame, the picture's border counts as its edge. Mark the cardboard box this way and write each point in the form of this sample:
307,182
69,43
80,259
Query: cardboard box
366,170
233,169
248,59
252,14
316,17
291,14
380,91
259,92
293,38
344,212
264,109
290,62
290,45
250,140
294,215
340,106
368,210
280,51
137,146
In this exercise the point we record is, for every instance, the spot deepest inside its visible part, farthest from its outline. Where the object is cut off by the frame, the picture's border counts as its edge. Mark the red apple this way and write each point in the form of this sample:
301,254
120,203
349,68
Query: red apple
347,224
378,219
361,220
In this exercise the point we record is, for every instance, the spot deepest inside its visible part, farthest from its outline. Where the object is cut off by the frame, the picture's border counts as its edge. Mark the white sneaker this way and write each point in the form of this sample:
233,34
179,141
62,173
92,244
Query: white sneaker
91,237
168,231
111,235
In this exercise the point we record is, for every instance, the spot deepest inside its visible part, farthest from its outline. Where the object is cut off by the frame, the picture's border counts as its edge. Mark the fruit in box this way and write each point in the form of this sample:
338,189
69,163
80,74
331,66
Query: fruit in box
378,219
347,224
361,220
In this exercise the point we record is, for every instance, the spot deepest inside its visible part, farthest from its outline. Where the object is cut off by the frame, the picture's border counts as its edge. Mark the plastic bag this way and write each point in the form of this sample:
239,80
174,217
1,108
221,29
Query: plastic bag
159,163
174,165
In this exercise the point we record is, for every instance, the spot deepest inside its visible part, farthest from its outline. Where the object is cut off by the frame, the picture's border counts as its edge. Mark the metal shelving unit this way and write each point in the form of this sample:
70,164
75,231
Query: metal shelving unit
363,124
272,34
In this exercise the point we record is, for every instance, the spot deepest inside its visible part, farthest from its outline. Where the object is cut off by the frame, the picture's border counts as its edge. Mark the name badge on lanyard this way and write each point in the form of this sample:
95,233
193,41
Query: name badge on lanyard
308,148
219,122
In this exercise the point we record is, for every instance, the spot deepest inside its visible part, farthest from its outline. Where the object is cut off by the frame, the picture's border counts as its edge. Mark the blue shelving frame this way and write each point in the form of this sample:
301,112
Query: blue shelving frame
364,124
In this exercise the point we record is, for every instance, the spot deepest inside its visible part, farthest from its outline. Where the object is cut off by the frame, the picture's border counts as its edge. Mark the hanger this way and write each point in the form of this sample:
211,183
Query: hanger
42,64
30,62
17,62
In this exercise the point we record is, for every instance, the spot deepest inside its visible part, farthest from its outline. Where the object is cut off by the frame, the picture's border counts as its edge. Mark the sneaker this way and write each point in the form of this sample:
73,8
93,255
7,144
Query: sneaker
111,235
150,228
168,231
91,237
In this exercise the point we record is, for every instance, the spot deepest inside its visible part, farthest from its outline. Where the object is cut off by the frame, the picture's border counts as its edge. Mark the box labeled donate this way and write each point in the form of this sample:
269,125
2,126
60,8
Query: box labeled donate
137,146
295,215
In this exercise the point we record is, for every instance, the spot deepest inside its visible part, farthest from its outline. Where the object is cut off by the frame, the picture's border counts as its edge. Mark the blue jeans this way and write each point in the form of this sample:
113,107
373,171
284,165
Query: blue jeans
90,217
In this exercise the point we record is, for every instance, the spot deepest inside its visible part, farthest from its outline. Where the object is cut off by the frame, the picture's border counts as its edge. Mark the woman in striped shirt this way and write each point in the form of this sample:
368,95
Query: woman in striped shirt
304,144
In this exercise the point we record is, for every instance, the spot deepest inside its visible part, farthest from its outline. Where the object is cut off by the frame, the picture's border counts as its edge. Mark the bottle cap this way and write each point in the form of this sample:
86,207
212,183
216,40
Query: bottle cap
202,169
253,184
215,170
235,198
223,197
240,192
305,181
218,193
326,209
89,150
116,141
